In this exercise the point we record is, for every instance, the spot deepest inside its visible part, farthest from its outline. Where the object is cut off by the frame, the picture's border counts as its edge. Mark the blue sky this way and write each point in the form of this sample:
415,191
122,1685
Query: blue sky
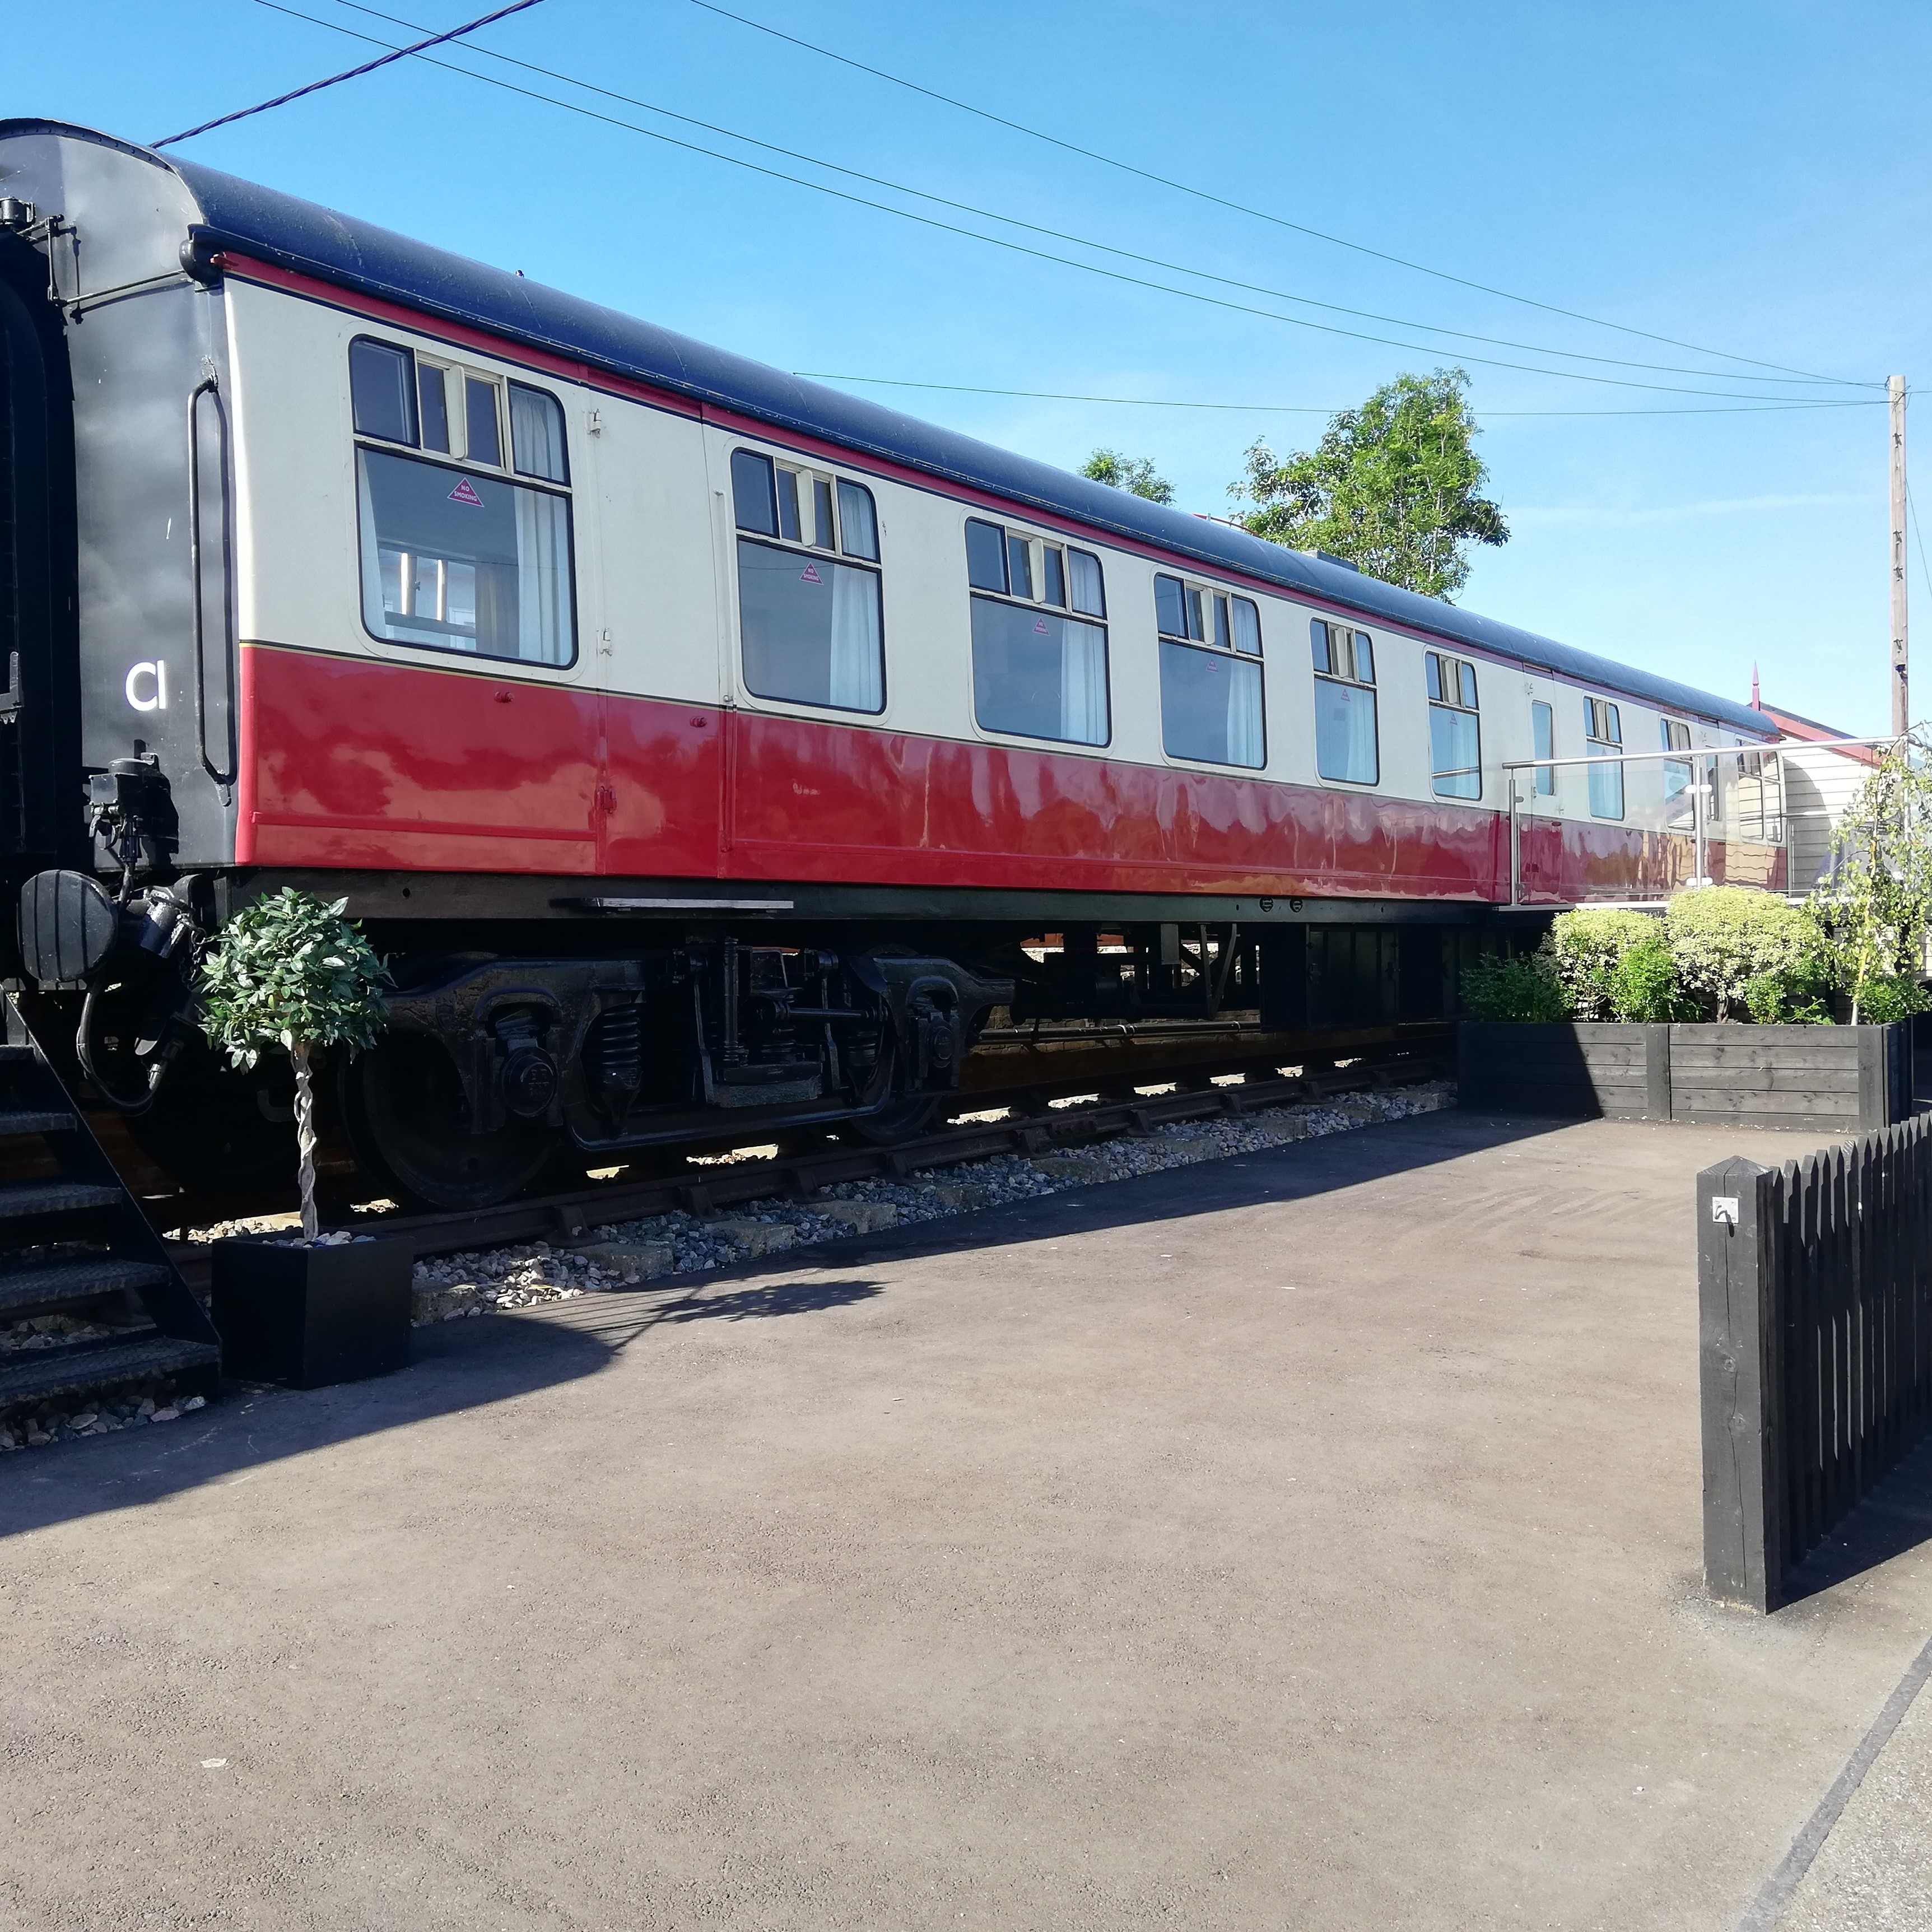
1752,178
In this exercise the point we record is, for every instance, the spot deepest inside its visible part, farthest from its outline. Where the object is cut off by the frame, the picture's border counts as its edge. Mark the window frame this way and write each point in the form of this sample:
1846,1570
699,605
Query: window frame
806,479
502,471
1438,667
1210,604
1038,547
1351,679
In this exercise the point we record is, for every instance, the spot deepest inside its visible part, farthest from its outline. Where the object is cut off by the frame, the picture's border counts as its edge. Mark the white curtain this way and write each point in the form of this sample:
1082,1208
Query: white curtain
543,591
858,665
376,608
1344,732
536,433
1083,683
1083,572
1246,741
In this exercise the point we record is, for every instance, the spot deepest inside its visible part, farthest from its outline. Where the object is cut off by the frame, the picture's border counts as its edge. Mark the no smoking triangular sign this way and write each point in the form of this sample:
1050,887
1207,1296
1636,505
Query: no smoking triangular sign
464,492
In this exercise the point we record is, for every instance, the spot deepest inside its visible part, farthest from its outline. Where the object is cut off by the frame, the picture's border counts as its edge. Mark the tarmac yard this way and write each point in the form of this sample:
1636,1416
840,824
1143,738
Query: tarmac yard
1305,1540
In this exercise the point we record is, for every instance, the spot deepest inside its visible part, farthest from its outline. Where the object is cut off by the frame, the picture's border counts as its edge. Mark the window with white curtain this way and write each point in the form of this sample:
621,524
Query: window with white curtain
1040,638
1455,727
1210,674
456,555
1345,746
810,622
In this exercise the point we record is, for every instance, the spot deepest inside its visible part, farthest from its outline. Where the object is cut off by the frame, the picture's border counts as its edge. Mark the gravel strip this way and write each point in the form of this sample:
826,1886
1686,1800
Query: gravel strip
452,1287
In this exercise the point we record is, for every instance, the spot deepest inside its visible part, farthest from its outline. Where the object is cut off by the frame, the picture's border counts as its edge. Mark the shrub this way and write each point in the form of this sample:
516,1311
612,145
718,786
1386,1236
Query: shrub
1723,937
1895,996
1514,989
1587,948
1643,987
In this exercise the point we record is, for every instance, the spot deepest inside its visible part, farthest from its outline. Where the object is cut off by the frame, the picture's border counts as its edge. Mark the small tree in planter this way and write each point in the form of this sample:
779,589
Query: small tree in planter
291,972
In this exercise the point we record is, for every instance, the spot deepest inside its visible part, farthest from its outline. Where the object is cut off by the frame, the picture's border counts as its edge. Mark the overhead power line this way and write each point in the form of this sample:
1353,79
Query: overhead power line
348,73
1262,214
1310,409
1001,241
1082,241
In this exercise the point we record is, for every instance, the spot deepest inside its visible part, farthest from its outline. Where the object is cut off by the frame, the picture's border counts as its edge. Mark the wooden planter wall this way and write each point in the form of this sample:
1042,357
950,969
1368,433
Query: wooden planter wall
1820,1078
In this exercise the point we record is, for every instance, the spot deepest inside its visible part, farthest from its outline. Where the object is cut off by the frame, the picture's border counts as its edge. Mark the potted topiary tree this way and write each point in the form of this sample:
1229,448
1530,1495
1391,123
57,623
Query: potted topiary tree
289,974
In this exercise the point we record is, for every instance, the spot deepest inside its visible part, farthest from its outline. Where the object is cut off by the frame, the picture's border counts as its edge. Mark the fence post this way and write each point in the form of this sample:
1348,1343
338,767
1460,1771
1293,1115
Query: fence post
1740,1385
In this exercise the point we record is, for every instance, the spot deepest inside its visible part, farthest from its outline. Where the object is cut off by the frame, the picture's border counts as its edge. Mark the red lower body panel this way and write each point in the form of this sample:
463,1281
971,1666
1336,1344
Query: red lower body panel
356,764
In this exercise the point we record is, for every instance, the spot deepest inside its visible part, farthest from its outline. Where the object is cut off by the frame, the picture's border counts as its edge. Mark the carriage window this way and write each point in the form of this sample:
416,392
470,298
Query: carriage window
379,387
812,628
1210,694
1346,748
536,435
1602,727
858,523
432,391
454,559
1036,673
484,442
754,493
1455,729
1542,730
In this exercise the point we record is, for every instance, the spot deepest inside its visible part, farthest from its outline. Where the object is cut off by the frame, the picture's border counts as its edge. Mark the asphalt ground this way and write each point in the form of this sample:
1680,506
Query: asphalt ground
1309,1539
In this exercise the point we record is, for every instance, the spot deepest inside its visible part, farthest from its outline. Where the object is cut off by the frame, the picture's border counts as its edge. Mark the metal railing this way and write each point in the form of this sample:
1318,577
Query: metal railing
1703,760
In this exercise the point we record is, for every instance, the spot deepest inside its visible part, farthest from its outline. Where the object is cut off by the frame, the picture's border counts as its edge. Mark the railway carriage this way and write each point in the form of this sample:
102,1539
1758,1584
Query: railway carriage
704,747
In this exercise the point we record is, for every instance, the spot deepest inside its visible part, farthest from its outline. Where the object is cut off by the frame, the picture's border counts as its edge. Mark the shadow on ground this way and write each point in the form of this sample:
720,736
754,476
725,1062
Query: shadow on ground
461,1365
1895,1517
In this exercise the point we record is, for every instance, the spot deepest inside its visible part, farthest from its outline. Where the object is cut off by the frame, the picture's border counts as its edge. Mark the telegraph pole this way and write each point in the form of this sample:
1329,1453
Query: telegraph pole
1901,675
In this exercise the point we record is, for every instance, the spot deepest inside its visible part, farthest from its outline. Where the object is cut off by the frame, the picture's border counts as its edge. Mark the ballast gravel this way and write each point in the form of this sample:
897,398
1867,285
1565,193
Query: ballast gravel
452,1287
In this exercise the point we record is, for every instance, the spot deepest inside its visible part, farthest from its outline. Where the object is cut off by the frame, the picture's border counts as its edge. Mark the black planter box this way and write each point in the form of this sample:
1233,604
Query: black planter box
311,1316
1823,1079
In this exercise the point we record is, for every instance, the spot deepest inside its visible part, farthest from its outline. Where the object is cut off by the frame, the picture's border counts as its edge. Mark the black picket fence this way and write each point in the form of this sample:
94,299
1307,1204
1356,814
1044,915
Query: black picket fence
1815,1335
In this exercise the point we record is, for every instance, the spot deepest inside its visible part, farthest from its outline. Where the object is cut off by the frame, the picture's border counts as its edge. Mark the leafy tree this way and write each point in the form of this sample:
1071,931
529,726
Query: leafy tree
290,972
1393,487
1136,473
1874,906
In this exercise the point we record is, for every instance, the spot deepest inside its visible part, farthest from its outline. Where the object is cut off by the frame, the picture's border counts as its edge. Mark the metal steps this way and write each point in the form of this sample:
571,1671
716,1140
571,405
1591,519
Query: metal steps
21,1198
77,1241
72,1277
77,1368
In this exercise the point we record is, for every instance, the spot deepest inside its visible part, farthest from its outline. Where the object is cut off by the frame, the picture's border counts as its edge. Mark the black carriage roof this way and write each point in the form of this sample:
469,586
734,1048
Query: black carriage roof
299,235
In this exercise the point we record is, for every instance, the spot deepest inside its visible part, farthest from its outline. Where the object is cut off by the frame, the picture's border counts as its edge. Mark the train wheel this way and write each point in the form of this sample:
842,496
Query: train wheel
404,1108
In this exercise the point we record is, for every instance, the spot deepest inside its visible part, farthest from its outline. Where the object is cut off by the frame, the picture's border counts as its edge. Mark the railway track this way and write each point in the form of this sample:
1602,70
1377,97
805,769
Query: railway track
1206,1088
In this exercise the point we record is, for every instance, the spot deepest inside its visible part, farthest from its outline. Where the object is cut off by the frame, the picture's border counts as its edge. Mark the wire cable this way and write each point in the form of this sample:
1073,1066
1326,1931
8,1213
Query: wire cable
1309,409
348,73
1018,247
1082,241
1262,214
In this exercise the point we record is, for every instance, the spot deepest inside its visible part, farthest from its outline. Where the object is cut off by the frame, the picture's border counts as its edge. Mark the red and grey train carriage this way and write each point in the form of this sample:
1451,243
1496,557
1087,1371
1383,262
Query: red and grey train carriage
705,748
